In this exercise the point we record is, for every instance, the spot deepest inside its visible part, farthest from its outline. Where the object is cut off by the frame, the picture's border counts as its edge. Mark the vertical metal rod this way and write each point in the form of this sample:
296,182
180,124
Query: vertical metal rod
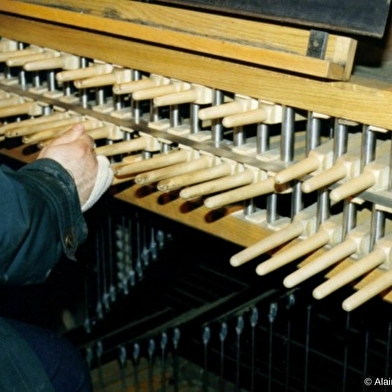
123,363
377,227
239,328
313,130
131,270
272,208
135,354
263,138
222,338
176,370
51,80
368,146
98,273
340,139
139,269
153,245
206,339
239,137
145,251
135,105
194,118
163,361
349,217
249,207
271,318
323,210
289,306
99,96
345,353
296,198
99,352
174,116
307,348
254,318
216,126
287,137
83,95
112,288
151,350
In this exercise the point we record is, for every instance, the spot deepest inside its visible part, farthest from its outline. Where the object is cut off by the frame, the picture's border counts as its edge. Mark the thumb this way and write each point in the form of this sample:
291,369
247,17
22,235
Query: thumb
69,136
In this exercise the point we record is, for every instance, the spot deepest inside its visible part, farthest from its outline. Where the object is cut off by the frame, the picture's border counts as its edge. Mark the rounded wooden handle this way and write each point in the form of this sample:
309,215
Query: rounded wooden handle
220,111
357,269
337,253
15,110
222,184
55,132
353,187
240,194
369,291
153,163
294,252
96,81
23,60
81,73
45,125
50,63
297,170
122,147
176,98
194,177
245,118
4,56
131,87
11,130
151,93
172,171
274,240
327,177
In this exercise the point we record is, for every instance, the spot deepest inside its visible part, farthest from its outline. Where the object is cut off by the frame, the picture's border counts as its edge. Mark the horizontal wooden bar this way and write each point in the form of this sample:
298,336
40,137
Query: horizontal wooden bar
258,43
362,100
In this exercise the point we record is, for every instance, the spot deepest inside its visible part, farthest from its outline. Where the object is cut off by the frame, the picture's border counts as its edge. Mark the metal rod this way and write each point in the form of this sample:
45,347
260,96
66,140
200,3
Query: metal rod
287,135
216,125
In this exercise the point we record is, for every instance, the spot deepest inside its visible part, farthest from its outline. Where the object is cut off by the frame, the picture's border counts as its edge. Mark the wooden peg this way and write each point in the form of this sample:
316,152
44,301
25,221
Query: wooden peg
353,186
274,240
194,177
81,73
245,118
64,61
153,92
10,130
231,181
197,94
55,132
327,177
122,147
157,162
354,271
369,291
7,45
117,76
22,60
13,100
337,253
239,105
172,171
135,85
4,56
30,108
240,194
27,129
300,249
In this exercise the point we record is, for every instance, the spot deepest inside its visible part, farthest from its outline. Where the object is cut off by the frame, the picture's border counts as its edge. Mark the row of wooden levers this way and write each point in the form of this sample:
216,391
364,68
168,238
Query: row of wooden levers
234,149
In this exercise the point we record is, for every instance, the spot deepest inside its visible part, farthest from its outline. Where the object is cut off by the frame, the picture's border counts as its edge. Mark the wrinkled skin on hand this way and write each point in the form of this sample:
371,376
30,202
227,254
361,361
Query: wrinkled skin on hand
74,151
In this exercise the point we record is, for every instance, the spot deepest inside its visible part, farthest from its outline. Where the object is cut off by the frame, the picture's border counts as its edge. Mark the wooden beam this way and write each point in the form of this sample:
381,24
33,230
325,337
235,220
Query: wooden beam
256,43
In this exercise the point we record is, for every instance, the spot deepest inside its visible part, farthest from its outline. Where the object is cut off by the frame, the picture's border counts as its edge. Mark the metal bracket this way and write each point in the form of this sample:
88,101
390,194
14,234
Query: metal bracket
317,44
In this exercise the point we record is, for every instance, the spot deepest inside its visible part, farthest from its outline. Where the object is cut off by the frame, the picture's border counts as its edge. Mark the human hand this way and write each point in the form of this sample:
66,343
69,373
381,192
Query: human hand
74,151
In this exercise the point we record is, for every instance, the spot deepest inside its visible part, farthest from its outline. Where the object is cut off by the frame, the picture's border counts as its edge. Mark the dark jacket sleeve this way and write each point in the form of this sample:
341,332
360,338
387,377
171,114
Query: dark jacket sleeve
40,218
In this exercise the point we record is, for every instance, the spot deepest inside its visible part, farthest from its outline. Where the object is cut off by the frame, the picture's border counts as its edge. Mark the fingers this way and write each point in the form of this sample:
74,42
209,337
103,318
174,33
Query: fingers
71,135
